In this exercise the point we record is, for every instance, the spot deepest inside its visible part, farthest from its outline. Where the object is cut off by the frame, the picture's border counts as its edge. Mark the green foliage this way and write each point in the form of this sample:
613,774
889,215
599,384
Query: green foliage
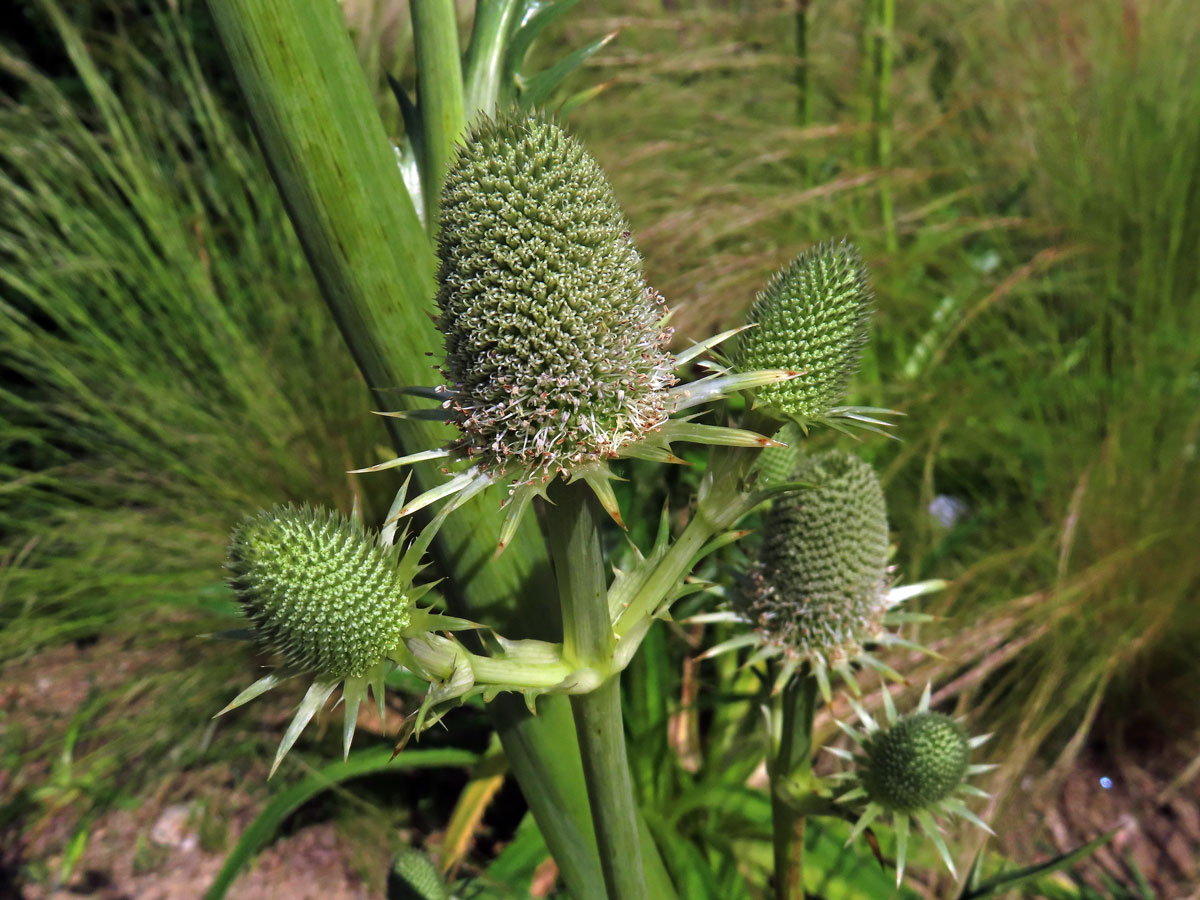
554,344
820,587
811,318
167,366
319,590
915,763
1034,321
157,333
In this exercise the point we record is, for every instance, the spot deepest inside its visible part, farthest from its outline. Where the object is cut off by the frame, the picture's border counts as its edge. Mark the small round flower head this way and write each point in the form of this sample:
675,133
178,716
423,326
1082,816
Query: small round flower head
555,346
914,767
812,317
916,763
330,598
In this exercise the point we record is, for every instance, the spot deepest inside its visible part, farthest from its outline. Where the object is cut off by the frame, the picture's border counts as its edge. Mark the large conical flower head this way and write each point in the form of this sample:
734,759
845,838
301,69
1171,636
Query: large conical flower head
556,348
556,352
911,768
812,317
820,593
332,599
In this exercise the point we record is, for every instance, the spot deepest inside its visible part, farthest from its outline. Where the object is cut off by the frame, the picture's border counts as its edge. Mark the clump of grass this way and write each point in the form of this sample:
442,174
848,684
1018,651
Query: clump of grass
168,366
1036,316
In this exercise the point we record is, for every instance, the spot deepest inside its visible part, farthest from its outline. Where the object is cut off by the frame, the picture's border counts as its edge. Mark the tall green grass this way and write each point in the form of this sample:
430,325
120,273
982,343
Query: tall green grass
168,366
1038,317
169,363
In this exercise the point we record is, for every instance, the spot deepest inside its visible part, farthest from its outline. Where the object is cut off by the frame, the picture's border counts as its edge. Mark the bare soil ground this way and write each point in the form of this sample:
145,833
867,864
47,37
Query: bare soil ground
171,843
1156,816
171,840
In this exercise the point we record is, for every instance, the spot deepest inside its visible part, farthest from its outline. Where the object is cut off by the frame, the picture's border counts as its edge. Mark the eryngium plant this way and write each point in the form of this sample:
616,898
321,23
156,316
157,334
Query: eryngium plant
556,348
812,319
913,768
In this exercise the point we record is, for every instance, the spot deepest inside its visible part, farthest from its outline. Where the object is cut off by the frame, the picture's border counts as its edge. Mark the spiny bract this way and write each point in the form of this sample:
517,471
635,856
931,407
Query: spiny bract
812,317
820,589
556,352
916,763
319,590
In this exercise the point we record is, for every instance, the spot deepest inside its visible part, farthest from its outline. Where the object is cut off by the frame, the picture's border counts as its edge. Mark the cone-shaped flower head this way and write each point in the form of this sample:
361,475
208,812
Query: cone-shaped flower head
331,599
318,590
917,763
911,768
820,594
556,351
812,317
820,589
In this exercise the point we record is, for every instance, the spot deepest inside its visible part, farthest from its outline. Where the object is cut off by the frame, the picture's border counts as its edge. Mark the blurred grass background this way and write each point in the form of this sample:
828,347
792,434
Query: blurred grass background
1023,178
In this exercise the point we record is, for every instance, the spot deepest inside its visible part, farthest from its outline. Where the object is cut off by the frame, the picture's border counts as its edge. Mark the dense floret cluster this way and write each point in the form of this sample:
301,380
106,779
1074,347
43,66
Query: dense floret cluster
812,317
916,763
319,590
820,589
556,351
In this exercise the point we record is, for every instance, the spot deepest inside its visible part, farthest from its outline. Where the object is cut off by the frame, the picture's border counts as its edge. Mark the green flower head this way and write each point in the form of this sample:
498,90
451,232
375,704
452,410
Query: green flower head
414,876
330,598
916,763
556,351
318,590
820,589
812,317
912,768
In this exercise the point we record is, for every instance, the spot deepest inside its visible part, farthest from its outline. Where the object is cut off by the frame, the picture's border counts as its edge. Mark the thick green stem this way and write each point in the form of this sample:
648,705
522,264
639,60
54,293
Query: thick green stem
439,93
601,733
336,171
574,540
722,503
790,771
